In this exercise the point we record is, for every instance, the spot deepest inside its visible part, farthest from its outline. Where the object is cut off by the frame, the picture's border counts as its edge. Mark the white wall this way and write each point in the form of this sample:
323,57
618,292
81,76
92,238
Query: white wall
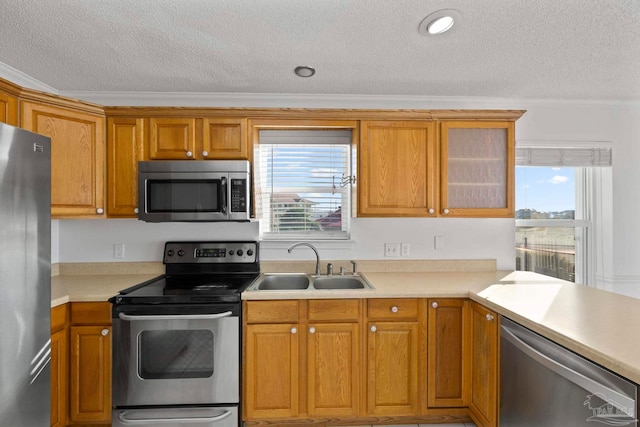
618,266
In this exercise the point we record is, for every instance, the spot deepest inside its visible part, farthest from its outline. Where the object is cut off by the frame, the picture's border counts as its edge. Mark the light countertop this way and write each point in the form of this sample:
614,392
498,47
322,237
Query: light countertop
600,325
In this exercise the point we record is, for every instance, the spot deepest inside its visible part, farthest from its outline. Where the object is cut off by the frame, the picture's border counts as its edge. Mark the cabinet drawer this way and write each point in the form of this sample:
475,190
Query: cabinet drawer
91,313
272,311
392,309
334,310
58,318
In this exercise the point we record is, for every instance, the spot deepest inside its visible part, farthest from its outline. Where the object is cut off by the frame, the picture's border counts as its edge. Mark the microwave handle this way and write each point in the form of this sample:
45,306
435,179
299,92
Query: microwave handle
224,195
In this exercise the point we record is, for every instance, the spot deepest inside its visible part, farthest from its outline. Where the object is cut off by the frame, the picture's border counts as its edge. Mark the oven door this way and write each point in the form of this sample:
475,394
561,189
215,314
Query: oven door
177,417
176,359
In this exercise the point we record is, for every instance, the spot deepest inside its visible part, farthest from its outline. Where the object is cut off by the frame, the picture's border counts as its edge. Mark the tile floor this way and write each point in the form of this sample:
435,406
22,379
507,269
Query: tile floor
428,425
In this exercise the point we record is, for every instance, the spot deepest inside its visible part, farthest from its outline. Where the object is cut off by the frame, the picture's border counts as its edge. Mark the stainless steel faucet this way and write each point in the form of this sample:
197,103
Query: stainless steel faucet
295,245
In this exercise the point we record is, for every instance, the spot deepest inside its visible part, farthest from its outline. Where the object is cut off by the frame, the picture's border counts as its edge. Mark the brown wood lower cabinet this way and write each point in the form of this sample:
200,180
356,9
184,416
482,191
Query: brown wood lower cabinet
394,357
484,358
448,361
59,366
90,363
369,361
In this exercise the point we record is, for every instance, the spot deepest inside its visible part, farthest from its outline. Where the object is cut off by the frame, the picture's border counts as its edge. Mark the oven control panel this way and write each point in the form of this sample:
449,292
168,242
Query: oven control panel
210,252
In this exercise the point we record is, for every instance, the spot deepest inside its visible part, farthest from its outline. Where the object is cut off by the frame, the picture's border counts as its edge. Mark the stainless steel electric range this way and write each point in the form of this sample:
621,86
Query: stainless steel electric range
176,338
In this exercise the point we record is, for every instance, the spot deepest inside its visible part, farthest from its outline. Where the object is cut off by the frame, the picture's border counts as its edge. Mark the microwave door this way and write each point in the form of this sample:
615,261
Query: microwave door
184,197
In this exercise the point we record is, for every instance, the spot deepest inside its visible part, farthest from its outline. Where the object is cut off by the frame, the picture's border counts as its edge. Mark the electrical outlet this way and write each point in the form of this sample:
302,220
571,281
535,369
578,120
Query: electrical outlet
392,249
404,249
118,250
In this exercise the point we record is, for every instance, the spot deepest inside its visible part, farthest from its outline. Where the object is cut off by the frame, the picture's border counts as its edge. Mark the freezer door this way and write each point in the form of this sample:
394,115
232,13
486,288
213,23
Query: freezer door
25,277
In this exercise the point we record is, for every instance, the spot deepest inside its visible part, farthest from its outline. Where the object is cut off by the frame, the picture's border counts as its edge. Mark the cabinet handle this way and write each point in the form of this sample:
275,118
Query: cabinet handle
445,211
135,210
373,329
431,211
205,153
99,211
105,332
489,317
312,330
294,330
434,304
189,154
394,309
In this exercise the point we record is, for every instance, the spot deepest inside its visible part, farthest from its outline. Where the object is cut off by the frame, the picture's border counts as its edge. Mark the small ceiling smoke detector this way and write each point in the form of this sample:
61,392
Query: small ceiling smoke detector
439,22
304,71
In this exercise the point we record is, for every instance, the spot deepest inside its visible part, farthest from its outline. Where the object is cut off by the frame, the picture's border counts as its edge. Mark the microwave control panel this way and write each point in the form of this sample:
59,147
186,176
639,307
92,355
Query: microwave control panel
239,195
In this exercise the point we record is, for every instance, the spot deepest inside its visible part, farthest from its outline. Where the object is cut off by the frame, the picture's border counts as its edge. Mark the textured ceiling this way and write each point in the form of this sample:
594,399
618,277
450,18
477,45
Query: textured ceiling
558,49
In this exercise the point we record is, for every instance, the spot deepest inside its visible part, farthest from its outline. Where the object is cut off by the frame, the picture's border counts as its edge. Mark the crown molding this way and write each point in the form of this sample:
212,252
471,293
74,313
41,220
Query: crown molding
294,100
26,81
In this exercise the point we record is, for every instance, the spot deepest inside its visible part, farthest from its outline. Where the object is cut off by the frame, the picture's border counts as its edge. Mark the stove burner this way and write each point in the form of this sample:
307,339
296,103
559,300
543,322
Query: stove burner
215,285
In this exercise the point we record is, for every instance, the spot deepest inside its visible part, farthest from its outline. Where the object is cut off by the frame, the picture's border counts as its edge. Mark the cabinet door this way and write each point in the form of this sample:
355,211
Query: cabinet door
124,150
8,109
447,337
333,369
77,158
484,371
90,374
477,169
396,169
59,377
271,371
225,139
172,138
392,368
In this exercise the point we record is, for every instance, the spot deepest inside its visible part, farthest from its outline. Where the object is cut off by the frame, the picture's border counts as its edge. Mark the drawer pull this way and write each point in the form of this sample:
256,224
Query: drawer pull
394,309
434,304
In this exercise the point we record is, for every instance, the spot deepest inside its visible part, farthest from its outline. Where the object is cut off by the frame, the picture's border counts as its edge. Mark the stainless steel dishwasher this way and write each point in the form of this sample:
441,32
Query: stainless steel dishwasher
544,384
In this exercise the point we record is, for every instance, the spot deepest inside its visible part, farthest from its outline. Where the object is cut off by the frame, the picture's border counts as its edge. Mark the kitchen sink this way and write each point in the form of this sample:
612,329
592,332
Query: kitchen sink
299,282
283,282
339,282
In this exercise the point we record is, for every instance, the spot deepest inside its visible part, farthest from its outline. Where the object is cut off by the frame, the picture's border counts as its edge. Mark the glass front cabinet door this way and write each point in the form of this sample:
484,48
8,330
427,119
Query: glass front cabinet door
477,168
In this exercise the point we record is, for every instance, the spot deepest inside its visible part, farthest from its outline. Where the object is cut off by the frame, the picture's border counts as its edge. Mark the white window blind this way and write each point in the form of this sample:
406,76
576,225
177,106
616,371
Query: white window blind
303,188
555,154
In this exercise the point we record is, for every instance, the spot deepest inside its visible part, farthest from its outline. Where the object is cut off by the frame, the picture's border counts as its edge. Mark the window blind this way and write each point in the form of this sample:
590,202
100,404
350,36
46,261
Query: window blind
570,156
302,184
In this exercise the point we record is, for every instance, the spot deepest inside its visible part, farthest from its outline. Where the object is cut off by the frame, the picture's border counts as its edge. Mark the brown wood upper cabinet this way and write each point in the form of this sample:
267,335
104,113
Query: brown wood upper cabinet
477,168
9,103
396,168
77,157
187,138
124,149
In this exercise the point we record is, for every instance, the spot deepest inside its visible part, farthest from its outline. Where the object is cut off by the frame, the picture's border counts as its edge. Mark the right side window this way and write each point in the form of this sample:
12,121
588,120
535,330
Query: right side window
555,197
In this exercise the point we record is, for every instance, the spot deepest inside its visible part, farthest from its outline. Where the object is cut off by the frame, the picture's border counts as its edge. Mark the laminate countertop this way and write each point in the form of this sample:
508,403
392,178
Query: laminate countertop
599,325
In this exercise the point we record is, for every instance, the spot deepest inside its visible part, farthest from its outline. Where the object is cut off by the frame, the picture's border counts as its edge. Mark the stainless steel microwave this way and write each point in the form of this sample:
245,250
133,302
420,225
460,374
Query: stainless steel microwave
194,190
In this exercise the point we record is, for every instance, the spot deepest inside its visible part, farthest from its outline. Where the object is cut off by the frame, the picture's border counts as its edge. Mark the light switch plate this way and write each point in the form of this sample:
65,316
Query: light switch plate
392,249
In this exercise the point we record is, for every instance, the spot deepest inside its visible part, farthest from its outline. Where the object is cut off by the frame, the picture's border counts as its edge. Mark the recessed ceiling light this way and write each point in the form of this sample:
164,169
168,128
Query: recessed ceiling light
439,22
304,71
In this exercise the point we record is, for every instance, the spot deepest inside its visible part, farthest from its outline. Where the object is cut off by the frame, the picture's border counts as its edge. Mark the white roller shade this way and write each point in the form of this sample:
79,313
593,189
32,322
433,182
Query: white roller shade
562,154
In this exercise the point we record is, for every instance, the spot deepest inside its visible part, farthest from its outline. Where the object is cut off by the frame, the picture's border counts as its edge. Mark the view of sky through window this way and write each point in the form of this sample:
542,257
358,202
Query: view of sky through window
545,189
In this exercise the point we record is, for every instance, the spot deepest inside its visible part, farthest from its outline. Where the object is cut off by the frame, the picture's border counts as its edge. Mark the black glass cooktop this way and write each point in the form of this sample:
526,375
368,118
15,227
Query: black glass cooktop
188,289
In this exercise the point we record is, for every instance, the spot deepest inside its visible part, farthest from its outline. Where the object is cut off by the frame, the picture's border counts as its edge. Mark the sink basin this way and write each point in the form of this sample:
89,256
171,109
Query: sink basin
283,282
340,282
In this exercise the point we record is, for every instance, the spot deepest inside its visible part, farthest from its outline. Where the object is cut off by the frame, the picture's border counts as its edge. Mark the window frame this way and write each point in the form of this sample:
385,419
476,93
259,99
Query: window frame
331,239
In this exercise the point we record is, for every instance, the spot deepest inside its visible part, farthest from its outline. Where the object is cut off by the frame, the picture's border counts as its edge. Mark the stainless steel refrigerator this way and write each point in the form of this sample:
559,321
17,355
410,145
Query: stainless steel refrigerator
25,278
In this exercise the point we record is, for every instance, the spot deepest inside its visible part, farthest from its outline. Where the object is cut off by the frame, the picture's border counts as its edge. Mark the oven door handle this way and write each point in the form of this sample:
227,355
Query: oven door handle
176,317
122,416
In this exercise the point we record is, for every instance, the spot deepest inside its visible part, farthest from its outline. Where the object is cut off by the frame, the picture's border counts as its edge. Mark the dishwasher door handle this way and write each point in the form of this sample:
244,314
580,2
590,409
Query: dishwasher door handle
176,317
122,416
622,402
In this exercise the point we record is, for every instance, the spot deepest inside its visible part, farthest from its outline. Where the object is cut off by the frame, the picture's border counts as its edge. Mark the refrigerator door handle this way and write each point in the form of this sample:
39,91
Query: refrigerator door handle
624,403
122,416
